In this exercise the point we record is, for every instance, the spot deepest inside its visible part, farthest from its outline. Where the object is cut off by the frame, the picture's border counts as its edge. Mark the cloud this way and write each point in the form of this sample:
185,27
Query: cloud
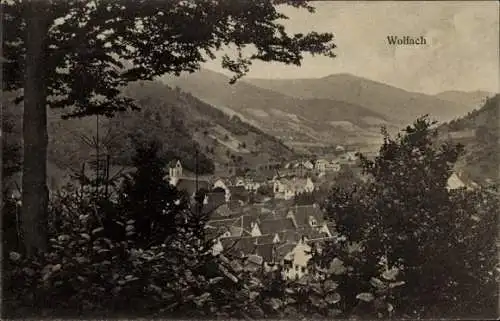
462,53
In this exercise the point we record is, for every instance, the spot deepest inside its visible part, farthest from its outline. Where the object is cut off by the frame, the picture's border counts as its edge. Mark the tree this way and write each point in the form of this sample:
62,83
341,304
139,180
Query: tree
406,219
156,207
346,177
80,53
11,144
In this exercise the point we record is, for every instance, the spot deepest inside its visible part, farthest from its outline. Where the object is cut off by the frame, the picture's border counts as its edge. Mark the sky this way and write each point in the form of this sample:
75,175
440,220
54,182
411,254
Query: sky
462,52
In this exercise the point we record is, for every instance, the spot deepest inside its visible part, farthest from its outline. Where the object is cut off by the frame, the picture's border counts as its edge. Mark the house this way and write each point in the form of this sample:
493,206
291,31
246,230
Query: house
220,184
269,256
308,165
175,169
309,221
454,182
253,263
306,215
334,166
277,225
221,212
309,233
213,200
238,246
322,165
295,261
235,205
190,185
289,237
249,184
288,188
268,239
239,193
247,245
352,156
250,225
217,248
348,158
233,227
221,228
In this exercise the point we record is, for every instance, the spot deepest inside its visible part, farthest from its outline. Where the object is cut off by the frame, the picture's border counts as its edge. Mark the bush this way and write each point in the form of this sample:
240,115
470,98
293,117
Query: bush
442,242
406,247
137,246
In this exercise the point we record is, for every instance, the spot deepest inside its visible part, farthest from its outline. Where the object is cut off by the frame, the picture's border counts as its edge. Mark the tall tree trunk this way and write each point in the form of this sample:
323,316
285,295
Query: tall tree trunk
2,151
34,186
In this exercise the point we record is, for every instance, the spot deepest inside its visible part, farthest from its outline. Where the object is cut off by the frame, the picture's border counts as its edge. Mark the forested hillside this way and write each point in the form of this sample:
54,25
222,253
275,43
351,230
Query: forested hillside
479,132
298,121
182,123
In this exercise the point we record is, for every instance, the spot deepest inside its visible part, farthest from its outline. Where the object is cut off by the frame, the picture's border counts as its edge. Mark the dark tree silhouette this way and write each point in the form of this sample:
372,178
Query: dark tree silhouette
157,208
406,218
80,53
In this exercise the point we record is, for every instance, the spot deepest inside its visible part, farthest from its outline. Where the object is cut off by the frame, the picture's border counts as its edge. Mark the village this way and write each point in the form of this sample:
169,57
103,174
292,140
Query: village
257,218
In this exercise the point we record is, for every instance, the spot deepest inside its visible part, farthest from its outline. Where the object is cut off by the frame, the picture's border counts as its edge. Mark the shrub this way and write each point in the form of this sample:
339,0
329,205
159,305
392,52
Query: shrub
440,241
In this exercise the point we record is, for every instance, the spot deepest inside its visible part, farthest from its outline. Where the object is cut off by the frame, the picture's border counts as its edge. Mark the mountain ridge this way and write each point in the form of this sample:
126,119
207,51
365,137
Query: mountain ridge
181,123
292,119
400,105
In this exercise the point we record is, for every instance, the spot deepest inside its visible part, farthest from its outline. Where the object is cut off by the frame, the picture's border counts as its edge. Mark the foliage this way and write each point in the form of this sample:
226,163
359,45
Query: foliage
93,48
480,163
157,208
142,248
317,196
11,229
79,54
406,219
165,118
346,177
403,249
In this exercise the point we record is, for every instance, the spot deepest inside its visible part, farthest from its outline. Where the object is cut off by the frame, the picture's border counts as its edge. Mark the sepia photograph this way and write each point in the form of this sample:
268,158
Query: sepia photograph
250,159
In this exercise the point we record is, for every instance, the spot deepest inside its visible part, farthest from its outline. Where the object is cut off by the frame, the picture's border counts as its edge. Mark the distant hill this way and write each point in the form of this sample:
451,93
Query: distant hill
180,121
397,105
295,120
474,99
479,131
